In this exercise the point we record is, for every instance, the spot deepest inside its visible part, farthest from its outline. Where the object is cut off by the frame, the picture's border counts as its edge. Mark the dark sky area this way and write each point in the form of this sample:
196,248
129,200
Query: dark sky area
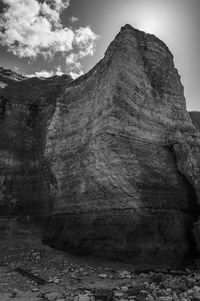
176,22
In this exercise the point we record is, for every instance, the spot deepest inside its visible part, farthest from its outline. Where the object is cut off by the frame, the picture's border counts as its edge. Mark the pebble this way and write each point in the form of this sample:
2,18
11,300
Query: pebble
84,297
14,293
103,276
50,280
188,271
53,296
124,288
118,294
124,274
66,271
196,292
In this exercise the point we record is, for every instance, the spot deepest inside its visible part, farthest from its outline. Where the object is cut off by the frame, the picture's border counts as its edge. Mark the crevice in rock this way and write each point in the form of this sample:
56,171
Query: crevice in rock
33,113
2,107
194,207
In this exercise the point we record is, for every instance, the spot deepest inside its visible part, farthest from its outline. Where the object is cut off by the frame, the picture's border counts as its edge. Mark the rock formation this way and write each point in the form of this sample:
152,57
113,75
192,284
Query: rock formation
26,104
195,117
110,160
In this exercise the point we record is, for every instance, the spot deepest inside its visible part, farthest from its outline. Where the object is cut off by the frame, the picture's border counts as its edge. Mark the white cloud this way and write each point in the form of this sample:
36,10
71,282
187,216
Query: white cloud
46,74
58,71
74,19
75,75
72,61
84,41
29,28
42,73
58,5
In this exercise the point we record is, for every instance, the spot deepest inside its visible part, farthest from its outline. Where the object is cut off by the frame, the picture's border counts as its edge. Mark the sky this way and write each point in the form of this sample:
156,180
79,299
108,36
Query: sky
43,38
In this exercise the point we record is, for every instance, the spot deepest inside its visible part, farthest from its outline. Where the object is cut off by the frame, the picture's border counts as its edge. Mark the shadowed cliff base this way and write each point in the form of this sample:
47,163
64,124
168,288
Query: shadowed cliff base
93,158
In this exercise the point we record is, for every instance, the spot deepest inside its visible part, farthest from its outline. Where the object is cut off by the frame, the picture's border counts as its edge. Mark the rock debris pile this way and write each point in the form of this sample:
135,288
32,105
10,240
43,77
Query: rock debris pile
73,279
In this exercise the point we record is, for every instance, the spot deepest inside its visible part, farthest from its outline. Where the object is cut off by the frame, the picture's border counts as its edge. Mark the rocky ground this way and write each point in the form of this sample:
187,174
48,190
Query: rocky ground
34,272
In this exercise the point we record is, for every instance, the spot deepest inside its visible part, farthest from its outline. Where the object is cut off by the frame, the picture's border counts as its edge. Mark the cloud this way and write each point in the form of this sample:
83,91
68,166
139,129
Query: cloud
46,74
74,19
75,75
84,40
42,73
58,5
29,28
72,61
58,71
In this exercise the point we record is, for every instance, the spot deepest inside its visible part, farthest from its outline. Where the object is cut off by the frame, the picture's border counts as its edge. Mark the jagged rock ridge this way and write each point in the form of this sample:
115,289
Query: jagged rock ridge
119,158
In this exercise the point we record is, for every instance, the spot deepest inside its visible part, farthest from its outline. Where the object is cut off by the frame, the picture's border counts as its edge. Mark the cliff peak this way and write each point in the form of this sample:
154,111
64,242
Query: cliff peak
127,27
143,37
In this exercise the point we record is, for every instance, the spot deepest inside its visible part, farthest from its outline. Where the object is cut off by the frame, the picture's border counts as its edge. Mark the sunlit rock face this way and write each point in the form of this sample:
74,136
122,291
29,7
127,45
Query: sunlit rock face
124,158
109,161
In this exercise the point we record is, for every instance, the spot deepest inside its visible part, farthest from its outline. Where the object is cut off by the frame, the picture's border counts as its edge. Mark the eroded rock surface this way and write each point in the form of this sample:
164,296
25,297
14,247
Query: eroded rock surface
125,157
26,106
195,117
119,163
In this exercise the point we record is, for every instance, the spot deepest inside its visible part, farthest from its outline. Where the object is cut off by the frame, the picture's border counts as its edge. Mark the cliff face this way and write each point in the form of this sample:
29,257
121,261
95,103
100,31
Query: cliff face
114,160
125,157
195,117
26,106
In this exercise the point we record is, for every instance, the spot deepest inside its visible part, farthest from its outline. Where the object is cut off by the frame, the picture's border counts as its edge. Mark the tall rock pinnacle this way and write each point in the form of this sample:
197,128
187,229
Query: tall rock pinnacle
119,159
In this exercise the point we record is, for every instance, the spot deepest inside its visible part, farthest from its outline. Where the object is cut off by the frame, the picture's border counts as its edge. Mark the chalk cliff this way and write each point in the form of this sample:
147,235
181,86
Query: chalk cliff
110,160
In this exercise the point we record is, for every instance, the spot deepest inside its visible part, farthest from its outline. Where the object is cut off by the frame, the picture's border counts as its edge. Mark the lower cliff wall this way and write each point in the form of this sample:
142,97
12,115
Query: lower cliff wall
26,108
130,203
